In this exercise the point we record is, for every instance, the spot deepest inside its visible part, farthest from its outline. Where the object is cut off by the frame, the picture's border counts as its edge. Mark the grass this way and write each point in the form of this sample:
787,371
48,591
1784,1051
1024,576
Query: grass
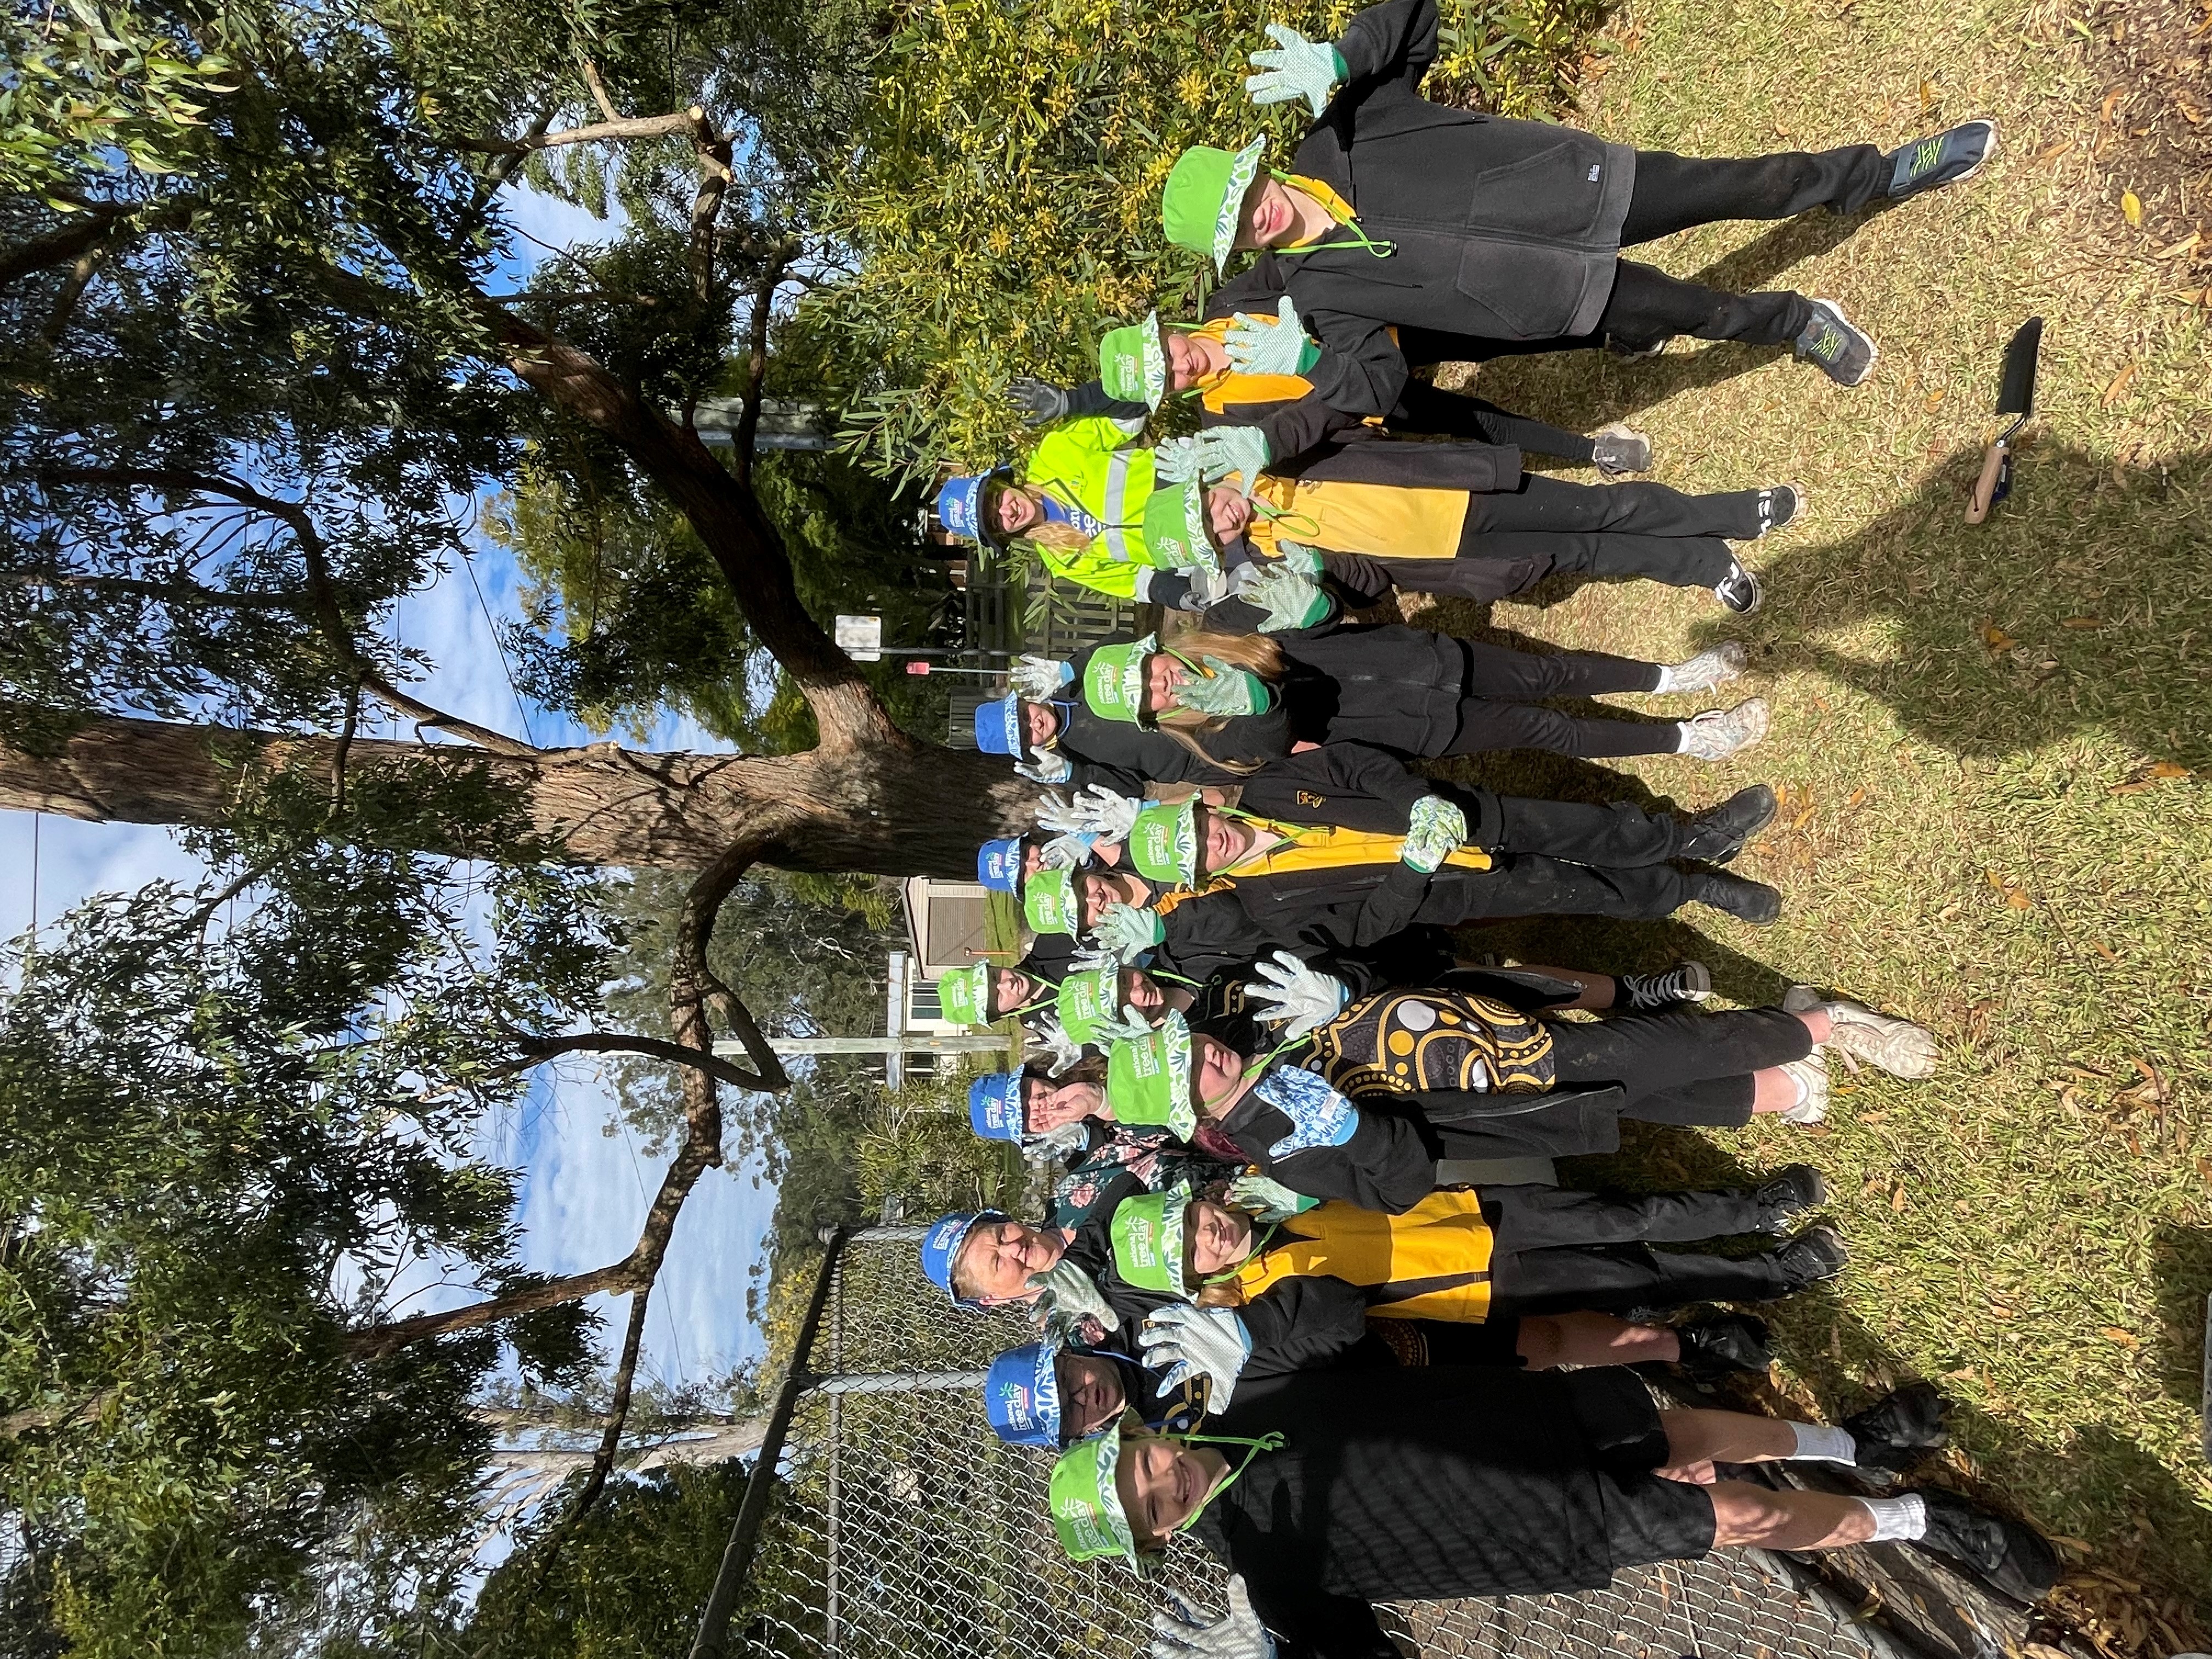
1983,734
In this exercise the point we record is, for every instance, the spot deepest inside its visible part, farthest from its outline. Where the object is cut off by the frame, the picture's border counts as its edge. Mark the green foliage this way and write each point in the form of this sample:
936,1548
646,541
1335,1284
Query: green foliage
1005,200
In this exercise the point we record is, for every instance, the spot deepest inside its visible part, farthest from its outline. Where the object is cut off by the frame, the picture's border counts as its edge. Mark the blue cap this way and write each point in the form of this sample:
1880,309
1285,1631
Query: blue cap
942,1243
1021,1396
995,1107
999,865
999,727
960,505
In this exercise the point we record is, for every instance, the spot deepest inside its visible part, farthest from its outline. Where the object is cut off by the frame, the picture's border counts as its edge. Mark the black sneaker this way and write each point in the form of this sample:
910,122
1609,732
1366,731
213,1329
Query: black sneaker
1619,449
1816,1254
1899,1429
1719,834
1634,350
1780,506
1747,901
1797,1190
1845,354
1738,590
1686,981
1946,158
1718,1344
2013,1559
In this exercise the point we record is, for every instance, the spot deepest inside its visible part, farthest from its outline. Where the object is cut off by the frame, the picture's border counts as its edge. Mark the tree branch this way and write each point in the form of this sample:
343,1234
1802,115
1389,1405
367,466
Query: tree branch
83,230
438,720
378,1340
536,1050
590,72
603,1461
621,129
742,441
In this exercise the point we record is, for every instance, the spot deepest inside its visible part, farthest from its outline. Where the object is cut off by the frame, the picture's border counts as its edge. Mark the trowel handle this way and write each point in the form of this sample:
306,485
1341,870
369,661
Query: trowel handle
1985,487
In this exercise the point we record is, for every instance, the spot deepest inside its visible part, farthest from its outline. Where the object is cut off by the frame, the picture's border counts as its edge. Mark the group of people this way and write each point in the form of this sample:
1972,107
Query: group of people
1272,1314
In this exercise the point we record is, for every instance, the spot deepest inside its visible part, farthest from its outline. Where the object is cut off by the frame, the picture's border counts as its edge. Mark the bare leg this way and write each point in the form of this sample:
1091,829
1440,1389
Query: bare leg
1597,989
1816,1022
1592,1339
1699,1436
1772,1090
1745,1514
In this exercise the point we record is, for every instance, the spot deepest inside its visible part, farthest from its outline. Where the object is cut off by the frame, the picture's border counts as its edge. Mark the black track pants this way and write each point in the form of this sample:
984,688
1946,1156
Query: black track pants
1502,685
1424,408
1682,1065
1639,509
1529,886
1557,1251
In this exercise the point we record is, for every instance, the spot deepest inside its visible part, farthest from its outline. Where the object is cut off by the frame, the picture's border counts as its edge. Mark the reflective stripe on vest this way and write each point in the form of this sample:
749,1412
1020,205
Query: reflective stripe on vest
1121,534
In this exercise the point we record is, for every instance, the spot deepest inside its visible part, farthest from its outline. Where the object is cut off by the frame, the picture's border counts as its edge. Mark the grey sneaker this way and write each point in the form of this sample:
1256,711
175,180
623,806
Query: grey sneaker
1811,1076
1846,354
1948,158
1706,670
1719,732
1619,448
1857,1032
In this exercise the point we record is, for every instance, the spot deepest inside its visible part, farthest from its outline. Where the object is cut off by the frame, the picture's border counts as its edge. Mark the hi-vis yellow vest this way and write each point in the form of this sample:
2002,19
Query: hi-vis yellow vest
1089,461
1432,1262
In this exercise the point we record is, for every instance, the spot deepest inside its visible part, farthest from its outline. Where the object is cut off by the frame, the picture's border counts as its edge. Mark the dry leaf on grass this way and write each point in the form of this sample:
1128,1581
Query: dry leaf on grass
2125,1338
2148,777
2117,385
2131,208
1994,637
2082,621
2186,245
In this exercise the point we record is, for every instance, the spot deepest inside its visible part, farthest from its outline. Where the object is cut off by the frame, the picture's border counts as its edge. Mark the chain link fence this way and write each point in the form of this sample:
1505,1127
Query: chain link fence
904,1529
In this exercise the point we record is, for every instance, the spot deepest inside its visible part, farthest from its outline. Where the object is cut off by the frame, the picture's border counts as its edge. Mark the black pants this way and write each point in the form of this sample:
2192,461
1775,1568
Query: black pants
1424,408
1502,685
1639,509
1556,1250
1620,834
1674,192
1533,886
1681,1065
1496,565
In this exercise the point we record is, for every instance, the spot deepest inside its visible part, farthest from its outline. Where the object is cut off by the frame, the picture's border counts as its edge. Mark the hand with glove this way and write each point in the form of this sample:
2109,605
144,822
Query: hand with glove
1191,1342
1062,1050
1268,1199
1040,401
1046,766
1096,811
1285,990
1035,678
1289,601
1436,831
1184,1632
1256,346
1227,691
1066,852
1070,1298
1241,450
1297,557
1124,1025
1296,68
1209,586
1127,931
1175,460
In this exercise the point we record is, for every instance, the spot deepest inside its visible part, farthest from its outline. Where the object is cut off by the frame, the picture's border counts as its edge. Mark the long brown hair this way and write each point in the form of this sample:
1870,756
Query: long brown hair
1255,653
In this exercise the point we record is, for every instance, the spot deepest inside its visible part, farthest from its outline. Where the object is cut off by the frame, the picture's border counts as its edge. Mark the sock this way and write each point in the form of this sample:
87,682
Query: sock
1682,736
1666,677
1818,1444
1804,1089
1896,1519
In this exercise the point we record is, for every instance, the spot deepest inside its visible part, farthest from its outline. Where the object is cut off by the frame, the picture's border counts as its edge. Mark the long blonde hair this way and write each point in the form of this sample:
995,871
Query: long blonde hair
1255,653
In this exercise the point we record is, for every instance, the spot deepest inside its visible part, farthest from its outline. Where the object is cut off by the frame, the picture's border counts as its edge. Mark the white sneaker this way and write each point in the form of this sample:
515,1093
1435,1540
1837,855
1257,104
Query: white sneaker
1857,1032
1811,1076
1719,732
1708,669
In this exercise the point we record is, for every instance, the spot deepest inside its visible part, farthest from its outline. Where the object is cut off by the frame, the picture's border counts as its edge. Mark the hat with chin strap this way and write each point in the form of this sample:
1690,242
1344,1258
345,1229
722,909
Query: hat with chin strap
940,1249
1021,1395
1114,680
1148,1079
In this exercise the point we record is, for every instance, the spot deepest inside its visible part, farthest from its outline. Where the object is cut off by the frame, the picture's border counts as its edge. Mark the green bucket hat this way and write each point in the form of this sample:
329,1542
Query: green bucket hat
1148,1079
1087,997
1049,904
1203,194
1133,363
1114,680
964,994
1176,534
1163,842
1086,1509
1147,1231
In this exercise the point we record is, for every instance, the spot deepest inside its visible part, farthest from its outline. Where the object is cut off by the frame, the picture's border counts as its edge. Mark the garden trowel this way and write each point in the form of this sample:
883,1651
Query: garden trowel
2015,397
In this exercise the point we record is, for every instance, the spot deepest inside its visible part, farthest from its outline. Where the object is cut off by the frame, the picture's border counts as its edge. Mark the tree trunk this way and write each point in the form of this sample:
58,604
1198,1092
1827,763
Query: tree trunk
892,807
716,1445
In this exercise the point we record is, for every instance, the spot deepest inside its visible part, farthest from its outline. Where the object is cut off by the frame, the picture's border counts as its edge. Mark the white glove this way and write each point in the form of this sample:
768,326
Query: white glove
1175,460
1259,347
1050,767
1066,852
1096,811
1184,1632
1299,68
1297,557
1091,957
1192,1341
1288,599
1268,1199
1285,991
1128,932
1070,1298
1036,678
1242,450
1124,1025
1064,1050
1438,830
1209,586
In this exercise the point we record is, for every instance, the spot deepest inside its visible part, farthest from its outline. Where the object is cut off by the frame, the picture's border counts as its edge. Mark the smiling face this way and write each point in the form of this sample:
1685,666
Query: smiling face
1011,988
1096,889
1215,1238
1047,1105
1142,993
1269,216
1217,1073
1163,1483
1192,358
1164,671
1091,1394
1222,841
1227,512
1040,725
1012,510
997,1257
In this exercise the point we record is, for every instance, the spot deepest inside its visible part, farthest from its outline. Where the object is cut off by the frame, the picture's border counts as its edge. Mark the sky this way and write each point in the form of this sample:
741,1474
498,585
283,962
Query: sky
584,1190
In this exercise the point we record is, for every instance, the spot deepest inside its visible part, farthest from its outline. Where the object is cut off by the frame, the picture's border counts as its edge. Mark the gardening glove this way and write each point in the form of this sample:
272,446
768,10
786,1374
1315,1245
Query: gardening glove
1040,401
1124,1025
1070,1299
1184,1632
1049,766
1068,852
1287,990
1208,1342
1062,1050
1091,959
1096,811
1242,450
1065,1142
1297,68
1289,600
1127,931
1034,679
1228,692
1209,586
1175,460
1297,557
1436,830
1268,1199
1257,346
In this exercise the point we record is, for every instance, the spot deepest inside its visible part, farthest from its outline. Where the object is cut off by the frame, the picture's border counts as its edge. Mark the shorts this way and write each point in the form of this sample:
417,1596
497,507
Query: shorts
1646,1519
1619,1419
1496,1342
